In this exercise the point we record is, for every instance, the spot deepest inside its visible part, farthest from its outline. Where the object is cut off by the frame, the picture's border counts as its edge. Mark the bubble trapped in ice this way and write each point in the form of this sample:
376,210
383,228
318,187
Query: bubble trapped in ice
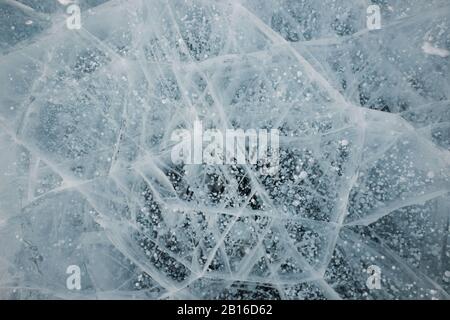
86,116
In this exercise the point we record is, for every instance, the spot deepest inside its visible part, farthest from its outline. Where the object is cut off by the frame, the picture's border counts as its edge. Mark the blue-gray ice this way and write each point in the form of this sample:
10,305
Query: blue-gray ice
86,177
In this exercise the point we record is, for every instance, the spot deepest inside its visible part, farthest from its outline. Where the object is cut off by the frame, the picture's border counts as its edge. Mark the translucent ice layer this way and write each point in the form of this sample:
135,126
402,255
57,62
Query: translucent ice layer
86,177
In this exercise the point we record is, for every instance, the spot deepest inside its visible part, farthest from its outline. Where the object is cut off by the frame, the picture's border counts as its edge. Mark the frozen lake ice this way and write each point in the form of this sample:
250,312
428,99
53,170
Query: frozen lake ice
88,105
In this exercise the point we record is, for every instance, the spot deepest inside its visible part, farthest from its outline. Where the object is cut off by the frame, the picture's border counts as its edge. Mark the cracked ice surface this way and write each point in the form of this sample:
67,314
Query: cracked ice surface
86,176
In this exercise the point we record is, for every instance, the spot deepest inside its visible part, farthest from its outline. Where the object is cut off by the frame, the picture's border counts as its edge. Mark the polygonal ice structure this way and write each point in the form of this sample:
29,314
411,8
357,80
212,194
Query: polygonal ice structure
86,118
